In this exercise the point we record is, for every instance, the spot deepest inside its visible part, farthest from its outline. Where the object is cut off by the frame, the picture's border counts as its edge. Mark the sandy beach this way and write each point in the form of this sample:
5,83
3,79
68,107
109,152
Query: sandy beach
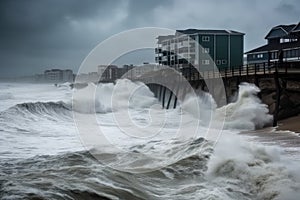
290,124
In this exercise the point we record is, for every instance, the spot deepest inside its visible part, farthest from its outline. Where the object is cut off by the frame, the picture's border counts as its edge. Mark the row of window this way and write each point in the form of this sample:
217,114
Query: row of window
182,40
292,53
204,62
205,38
219,62
257,55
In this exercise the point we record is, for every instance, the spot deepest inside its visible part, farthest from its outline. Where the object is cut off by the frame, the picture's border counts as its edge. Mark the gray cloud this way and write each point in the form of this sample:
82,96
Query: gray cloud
36,35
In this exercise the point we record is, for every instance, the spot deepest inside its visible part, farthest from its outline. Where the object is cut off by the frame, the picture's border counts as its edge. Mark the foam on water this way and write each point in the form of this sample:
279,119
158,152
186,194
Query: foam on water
111,97
41,154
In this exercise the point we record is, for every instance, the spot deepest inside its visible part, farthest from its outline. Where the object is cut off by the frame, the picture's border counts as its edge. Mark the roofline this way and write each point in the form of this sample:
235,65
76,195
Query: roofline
275,28
264,51
228,32
293,30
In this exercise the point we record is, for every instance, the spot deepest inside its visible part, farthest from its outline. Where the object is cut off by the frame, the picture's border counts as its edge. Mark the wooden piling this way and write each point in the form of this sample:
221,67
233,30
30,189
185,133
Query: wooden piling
163,97
278,94
170,98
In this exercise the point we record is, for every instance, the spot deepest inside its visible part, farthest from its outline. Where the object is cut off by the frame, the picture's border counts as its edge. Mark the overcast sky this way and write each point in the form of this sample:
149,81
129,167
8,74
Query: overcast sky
40,34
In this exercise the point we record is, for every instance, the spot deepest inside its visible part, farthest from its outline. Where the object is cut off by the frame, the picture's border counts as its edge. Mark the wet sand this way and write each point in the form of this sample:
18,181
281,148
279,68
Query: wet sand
286,135
290,124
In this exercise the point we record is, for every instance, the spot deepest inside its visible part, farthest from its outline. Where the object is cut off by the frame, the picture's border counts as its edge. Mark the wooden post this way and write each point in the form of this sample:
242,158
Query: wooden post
175,102
176,94
160,92
278,94
163,97
247,69
170,98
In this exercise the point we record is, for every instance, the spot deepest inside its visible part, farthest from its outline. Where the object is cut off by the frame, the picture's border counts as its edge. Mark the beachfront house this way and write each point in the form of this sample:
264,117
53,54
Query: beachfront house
283,43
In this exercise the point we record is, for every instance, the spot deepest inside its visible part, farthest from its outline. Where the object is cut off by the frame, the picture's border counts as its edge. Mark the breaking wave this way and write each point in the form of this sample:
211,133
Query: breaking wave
31,110
254,173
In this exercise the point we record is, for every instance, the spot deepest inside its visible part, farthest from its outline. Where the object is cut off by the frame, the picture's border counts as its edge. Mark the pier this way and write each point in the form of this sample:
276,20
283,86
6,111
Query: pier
279,84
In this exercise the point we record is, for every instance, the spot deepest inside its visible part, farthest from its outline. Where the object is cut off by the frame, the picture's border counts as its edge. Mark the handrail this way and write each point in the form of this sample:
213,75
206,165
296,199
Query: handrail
265,68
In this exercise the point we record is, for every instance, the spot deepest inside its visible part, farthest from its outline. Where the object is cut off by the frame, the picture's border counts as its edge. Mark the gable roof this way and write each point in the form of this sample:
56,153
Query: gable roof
296,28
280,31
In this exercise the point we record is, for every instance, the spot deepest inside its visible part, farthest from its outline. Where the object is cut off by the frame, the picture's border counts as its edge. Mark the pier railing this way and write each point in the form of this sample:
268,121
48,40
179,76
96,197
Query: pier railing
259,69
245,70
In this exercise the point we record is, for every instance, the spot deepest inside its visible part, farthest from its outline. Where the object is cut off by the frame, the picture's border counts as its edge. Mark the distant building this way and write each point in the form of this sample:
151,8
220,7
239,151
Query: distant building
140,70
282,39
67,75
224,47
108,73
58,75
112,72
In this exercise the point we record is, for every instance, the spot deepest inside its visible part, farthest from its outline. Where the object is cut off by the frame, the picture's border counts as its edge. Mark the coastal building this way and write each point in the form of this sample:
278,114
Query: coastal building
58,75
67,75
224,48
283,42
112,72
108,73
143,69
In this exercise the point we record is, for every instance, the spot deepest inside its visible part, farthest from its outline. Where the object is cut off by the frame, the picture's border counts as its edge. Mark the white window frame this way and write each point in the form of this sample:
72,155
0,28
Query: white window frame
205,50
205,38
224,62
205,62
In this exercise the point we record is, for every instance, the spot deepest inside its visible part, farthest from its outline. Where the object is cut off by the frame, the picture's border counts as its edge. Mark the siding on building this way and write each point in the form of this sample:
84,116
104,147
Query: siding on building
220,47
282,38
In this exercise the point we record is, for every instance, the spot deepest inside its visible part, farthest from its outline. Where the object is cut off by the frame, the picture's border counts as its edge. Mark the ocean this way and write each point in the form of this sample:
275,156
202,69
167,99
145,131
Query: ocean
58,143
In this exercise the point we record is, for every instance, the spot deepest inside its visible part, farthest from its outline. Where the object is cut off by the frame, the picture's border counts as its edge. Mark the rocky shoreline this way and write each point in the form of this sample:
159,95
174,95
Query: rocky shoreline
289,98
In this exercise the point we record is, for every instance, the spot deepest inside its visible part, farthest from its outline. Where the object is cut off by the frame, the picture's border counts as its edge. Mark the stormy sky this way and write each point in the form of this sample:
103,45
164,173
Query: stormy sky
40,34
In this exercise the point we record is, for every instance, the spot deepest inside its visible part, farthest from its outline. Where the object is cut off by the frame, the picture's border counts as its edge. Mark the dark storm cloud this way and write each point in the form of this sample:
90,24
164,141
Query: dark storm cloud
39,34
289,9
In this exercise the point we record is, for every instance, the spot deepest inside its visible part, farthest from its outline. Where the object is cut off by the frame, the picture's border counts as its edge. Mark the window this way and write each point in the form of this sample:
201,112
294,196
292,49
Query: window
294,53
273,55
284,40
205,62
224,62
205,38
288,53
260,55
205,50
219,62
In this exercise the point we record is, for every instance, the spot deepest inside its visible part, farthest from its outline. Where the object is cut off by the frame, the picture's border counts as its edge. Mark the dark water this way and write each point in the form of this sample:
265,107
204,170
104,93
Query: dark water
42,157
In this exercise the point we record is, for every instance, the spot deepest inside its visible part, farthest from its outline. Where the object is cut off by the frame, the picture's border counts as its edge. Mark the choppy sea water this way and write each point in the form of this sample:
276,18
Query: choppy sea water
42,155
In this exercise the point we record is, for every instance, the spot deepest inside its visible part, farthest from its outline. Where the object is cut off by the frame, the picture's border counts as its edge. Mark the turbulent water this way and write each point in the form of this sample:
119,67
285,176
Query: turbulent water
43,154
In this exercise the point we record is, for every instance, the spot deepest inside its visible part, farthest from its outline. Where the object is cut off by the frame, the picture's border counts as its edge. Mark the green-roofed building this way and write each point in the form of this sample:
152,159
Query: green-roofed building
224,48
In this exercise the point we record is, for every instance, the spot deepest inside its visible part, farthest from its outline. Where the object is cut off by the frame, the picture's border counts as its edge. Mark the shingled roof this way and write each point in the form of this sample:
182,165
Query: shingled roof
281,31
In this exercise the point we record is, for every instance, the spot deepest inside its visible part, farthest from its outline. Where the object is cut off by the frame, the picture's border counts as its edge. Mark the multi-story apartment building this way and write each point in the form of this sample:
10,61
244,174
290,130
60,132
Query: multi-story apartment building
283,44
108,72
58,75
201,48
